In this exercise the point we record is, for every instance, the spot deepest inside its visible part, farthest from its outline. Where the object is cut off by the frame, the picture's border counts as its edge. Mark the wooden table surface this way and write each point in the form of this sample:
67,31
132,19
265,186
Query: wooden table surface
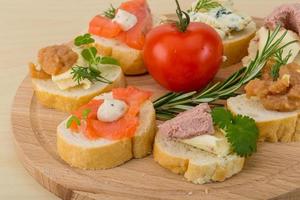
29,25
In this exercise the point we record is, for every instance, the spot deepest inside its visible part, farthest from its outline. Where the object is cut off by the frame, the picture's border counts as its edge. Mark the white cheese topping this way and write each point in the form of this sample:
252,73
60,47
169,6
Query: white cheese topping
210,143
111,110
125,19
222,19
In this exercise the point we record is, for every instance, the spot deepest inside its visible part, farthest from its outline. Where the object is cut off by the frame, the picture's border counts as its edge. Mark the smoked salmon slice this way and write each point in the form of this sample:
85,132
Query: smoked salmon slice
135,37
125,127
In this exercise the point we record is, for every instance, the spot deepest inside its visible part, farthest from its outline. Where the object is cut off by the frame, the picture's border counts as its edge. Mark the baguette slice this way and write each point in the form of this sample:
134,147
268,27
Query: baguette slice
196,165
80,152
273,126
235,46
131,60
51,96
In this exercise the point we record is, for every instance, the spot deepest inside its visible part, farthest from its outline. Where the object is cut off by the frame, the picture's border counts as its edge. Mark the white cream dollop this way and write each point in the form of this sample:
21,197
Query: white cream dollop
111,110
125,19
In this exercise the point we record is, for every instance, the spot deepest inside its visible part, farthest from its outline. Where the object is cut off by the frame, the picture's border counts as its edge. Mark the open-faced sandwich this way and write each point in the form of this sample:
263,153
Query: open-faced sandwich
189,144
69,75
121,32
235,28
273,98
108,131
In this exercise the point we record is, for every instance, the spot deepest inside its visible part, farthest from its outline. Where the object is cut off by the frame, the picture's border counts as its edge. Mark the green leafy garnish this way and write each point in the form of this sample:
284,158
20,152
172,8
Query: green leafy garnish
279,62
241,131
92,71
85,113
171,104
90,55
72,119
92,74
110,12
109,61
83,39
205,5
221,117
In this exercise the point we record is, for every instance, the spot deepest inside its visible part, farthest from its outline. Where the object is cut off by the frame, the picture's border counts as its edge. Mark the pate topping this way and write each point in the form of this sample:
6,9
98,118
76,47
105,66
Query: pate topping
194,122
287,15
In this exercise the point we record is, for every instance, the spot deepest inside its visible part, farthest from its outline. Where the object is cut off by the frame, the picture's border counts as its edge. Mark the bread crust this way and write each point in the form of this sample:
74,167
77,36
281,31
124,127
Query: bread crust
197,173
236,49
102,157
112,154
67,103
280,130
131,60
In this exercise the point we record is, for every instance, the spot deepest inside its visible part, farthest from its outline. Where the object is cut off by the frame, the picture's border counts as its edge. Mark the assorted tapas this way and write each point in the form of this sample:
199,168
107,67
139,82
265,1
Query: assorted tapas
110,123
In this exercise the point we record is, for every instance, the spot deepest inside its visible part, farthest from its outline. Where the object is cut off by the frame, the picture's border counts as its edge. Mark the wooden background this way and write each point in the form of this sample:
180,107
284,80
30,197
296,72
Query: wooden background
26,26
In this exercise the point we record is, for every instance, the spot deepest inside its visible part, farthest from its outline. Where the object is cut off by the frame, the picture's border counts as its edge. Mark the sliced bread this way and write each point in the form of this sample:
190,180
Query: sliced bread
196,165
273,126
80,152
131,60
49,95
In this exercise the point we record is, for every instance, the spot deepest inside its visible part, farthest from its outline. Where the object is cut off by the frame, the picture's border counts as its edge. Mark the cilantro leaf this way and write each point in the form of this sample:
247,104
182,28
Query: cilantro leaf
89,54
221,117
83,39
242,134
109,60
241,131
72,119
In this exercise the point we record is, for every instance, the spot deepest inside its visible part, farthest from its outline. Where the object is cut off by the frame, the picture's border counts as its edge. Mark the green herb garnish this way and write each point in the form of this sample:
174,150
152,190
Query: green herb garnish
91,71
279,62
205,5
83,39
85,113
72,119
171,104
110,12
240,131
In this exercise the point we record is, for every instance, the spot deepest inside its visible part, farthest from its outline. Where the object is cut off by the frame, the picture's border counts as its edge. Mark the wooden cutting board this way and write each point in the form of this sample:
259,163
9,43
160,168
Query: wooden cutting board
272,173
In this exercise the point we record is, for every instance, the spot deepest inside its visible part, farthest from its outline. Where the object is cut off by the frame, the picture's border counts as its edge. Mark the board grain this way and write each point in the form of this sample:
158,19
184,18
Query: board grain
272,173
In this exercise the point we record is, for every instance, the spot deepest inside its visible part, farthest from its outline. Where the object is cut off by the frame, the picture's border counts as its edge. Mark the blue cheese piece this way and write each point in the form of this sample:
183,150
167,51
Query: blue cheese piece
223,19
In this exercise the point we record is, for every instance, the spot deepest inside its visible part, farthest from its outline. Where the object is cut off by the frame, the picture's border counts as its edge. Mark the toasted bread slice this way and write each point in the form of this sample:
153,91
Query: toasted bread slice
80,152
235,46
51,96
196,165
131,60
273,126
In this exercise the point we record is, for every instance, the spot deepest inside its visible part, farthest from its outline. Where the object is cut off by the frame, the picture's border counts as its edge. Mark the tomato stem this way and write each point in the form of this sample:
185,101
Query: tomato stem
184,18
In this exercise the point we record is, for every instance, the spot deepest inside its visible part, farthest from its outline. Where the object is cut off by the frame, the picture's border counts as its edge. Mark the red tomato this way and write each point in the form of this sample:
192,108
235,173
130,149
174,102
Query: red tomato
183,61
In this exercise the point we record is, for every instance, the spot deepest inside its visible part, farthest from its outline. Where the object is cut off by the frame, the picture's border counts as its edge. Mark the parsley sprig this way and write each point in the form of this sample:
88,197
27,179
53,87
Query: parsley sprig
205,5
171,104
92,71
110,12
279,62
240,131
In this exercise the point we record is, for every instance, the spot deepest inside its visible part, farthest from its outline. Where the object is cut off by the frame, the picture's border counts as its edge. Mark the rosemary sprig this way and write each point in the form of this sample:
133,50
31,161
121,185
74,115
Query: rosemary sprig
279,61
205,5
171,104
110,12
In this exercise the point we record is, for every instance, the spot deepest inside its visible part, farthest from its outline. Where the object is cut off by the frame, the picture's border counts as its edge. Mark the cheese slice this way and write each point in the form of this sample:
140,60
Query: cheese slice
216,144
